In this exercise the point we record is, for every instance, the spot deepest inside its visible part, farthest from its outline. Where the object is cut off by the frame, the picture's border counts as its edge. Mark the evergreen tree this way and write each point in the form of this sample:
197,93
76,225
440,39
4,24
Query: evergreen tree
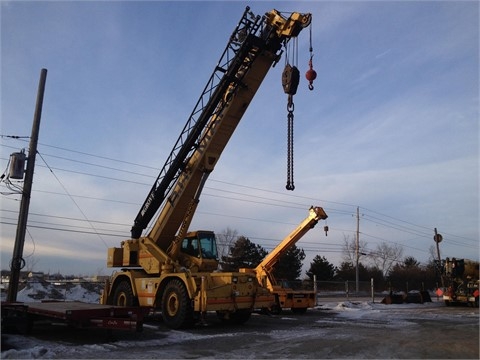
347,271
410,261
243,254
322,269
289,265
409,275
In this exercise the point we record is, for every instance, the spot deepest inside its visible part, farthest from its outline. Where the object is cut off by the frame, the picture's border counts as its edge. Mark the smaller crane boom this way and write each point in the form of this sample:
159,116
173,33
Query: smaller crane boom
266,266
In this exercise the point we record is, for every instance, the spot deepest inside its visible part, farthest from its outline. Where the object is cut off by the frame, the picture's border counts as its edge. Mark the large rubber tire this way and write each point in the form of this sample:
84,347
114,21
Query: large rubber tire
177,309
123,294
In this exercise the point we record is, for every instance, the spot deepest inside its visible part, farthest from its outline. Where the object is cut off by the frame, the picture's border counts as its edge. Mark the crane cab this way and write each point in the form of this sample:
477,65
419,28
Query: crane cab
198,251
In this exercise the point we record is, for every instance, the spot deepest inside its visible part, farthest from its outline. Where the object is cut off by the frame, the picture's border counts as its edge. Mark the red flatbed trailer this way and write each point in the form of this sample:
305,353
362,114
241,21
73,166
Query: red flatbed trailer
72,313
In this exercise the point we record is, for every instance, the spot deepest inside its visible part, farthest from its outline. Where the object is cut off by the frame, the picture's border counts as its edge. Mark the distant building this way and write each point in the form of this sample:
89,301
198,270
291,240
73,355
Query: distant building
36,275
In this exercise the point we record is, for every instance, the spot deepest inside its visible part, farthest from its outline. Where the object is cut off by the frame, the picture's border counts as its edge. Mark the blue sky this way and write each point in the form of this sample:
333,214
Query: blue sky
391,127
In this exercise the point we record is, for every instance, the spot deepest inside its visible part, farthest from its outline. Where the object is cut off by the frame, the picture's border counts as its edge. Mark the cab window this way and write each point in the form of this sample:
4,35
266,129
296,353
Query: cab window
190,246
208,246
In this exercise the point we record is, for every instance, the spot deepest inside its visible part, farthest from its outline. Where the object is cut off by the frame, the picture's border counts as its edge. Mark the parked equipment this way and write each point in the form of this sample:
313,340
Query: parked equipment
22,317
169,268
459,289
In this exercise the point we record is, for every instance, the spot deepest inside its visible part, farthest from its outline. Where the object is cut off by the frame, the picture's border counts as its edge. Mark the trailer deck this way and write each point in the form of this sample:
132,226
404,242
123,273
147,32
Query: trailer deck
22,316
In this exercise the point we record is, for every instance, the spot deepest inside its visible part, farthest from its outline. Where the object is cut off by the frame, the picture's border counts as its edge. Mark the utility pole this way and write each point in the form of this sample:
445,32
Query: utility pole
17,259
357,250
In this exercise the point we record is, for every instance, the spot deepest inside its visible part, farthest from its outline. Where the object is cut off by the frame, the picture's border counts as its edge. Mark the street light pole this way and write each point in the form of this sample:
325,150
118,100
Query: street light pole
17,259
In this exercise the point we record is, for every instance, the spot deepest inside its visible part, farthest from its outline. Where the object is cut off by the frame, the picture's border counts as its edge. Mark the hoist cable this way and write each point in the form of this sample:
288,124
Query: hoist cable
290,185
290,81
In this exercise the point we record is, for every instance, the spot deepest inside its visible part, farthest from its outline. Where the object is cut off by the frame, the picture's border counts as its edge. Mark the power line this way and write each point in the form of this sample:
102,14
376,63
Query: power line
68,218
100,166
270,201
97,176
66,230
73,200
93,155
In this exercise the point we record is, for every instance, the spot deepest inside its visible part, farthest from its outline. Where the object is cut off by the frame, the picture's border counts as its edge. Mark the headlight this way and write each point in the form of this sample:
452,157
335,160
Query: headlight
235,279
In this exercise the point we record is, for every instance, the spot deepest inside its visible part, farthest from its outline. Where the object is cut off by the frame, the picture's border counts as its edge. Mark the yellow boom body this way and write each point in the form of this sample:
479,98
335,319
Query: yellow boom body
286,297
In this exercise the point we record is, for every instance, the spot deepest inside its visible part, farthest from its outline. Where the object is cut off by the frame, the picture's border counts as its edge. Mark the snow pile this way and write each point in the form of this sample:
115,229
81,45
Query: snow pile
37,291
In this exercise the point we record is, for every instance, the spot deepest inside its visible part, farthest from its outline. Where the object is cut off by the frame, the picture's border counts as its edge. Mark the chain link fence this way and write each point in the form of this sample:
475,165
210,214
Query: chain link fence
347,290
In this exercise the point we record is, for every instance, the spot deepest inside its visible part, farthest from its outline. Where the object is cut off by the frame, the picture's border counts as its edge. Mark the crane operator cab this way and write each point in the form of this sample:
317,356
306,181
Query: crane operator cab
199,250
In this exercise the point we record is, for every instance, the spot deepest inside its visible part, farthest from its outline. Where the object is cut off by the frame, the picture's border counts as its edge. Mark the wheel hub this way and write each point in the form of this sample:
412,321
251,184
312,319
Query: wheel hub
172,304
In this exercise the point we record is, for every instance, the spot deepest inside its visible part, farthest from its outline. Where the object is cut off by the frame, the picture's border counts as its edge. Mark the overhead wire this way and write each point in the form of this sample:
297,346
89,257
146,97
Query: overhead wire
404,226
73,200
89,154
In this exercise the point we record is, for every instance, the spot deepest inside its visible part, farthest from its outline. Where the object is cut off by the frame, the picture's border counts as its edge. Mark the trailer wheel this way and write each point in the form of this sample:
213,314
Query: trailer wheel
176,306
123,294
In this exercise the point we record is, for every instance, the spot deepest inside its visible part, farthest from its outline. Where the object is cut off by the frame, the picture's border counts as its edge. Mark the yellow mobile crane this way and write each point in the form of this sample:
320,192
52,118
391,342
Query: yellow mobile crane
169,268
285,297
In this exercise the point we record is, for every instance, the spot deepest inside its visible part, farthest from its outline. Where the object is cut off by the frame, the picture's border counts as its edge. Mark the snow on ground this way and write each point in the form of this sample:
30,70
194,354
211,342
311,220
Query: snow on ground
33,348
37,291
25,347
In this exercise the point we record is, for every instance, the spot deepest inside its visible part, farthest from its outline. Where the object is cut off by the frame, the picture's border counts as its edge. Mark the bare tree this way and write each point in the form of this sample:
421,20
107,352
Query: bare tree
350,249
226,239
385,256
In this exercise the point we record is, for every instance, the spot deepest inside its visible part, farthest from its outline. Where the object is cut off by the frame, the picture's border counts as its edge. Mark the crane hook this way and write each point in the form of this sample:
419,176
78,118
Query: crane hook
310,74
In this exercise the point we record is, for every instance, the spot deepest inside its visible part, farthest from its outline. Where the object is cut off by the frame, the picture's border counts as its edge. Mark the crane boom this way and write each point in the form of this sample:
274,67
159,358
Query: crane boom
175,270
315,214
254,47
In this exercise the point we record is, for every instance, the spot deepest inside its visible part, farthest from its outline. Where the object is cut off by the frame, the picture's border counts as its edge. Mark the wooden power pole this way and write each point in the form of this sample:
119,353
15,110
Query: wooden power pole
17,259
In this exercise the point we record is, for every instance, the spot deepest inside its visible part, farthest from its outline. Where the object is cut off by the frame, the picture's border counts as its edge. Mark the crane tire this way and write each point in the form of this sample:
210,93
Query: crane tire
177,309
123,294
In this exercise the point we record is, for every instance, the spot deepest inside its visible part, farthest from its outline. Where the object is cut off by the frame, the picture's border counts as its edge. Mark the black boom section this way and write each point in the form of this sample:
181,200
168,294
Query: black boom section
246,35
